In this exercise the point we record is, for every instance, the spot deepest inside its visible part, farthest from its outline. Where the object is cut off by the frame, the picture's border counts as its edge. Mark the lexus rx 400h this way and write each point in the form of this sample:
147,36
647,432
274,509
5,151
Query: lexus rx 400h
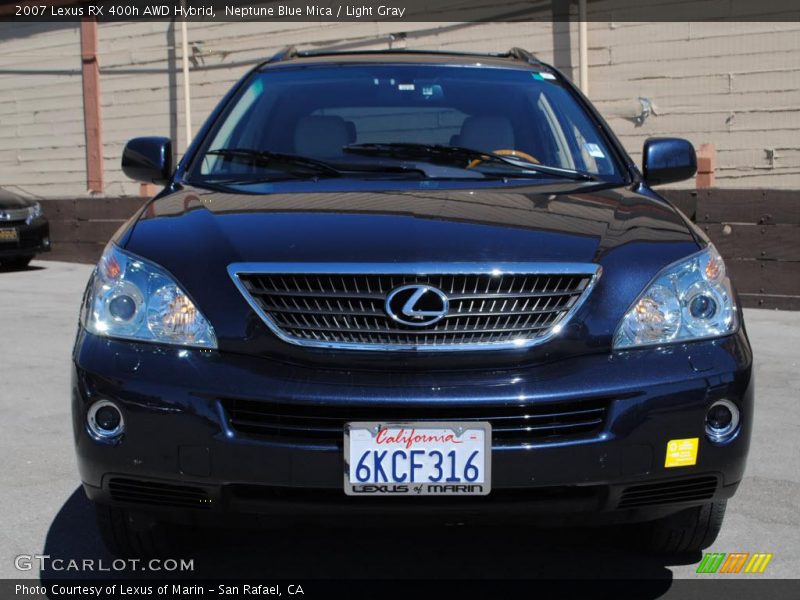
413,285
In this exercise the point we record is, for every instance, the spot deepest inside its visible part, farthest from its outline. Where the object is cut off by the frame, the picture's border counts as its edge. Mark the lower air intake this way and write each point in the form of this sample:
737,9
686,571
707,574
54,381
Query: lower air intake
135,491
668,492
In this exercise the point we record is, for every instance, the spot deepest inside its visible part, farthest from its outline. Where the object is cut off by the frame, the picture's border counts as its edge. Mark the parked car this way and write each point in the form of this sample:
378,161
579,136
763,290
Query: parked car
24,231
415,285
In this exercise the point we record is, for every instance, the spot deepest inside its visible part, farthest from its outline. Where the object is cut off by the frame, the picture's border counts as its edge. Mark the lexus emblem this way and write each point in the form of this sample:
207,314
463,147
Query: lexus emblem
417,305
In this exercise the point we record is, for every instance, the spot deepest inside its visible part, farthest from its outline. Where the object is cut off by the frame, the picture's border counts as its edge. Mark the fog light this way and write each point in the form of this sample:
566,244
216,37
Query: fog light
722,421
104,420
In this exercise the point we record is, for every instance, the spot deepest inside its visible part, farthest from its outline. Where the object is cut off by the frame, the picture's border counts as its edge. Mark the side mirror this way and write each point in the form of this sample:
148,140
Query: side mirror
665,160
148,159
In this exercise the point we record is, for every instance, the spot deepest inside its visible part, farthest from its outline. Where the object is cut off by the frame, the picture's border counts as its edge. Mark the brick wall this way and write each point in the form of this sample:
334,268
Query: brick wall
80,228
757,231
758,234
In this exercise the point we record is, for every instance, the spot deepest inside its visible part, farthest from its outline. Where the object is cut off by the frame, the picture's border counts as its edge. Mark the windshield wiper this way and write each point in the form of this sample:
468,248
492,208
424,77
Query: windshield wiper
406,150
317,167
380,168
311,166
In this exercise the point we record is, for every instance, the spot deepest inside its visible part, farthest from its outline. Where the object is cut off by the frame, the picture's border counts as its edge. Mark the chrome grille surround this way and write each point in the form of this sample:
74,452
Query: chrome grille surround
341,305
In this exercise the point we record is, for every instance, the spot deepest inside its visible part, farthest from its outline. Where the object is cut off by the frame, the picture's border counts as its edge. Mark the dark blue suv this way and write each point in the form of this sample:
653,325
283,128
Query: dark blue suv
410,285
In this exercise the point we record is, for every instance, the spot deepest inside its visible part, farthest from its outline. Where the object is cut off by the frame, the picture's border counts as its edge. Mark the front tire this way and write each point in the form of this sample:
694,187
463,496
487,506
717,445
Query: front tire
688,531
127,534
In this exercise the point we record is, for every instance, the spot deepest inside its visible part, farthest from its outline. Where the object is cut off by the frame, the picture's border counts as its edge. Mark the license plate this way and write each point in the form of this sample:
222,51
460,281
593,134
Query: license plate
8,235
417,459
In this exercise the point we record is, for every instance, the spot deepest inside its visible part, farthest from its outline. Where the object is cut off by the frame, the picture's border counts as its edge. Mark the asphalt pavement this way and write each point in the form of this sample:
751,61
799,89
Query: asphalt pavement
44,510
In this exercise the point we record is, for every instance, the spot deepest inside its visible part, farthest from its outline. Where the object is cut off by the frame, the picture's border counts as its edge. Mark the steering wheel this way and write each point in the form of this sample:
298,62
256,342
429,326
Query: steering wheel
507,152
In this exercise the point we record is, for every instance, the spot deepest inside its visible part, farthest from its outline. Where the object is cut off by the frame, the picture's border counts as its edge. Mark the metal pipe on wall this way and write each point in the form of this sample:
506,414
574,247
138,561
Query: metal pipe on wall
187,97
583,48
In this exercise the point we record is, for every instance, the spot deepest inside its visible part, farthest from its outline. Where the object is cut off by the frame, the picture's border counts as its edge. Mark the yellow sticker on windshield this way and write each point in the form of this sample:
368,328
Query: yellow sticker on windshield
681,453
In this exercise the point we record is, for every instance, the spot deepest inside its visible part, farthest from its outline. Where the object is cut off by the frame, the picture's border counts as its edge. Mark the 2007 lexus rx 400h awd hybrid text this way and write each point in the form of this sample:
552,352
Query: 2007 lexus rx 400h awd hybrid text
412,285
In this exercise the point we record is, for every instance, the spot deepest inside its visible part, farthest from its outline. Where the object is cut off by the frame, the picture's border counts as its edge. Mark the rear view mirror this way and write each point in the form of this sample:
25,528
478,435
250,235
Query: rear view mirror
148,159
665,160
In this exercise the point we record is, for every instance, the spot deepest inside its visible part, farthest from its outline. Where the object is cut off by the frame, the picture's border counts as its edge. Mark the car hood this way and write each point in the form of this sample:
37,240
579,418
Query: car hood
196,233
9,200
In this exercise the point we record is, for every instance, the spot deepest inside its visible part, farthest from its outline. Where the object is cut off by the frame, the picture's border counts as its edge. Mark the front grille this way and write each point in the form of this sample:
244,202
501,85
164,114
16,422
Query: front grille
668,492
324,424
136,491
520,305
10,215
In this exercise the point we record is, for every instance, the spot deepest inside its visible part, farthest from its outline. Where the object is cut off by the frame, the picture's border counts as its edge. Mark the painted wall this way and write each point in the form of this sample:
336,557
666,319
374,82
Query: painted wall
736,85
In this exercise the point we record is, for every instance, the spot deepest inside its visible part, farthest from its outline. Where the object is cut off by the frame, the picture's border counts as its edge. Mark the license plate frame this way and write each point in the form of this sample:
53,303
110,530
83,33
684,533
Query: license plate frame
9,234
420,488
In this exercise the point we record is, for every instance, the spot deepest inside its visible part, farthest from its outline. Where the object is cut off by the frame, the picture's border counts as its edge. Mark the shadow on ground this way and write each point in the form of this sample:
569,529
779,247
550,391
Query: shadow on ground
6,268
335,552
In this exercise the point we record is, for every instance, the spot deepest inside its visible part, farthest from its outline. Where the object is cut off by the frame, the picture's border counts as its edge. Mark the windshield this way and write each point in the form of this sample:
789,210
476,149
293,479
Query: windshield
404,122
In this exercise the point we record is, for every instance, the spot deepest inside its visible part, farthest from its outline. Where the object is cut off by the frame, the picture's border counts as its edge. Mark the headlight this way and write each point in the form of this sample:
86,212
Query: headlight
689,300
34,212
134,299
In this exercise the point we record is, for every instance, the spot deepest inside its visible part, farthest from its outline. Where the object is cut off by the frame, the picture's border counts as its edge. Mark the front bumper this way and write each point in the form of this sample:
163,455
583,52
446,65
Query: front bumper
177,433
33,238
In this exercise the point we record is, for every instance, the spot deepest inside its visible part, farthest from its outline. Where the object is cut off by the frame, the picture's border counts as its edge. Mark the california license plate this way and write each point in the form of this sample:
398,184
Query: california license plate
8,235
417,459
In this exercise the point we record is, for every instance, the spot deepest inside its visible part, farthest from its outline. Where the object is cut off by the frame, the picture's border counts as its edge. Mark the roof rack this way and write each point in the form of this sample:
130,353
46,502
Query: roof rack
335,52
522,54
284,54
290,52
